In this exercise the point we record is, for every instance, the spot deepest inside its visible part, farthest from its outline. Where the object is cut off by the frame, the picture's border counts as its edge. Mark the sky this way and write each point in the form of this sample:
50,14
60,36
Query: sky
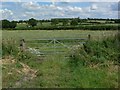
48,10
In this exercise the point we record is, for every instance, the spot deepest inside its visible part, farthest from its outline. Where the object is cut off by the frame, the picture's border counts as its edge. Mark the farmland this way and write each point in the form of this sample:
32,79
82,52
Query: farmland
59,44
75,68
35,34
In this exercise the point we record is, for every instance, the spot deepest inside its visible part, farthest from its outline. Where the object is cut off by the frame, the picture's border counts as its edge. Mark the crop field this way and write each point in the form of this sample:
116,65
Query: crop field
70,68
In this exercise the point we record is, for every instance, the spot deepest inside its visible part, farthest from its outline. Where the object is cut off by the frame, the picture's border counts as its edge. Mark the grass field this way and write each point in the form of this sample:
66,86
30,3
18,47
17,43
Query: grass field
56,70
33,35
37,34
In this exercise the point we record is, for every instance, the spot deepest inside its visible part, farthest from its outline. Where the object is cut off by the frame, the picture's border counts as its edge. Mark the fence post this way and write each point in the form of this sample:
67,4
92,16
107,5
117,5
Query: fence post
22,45
89,37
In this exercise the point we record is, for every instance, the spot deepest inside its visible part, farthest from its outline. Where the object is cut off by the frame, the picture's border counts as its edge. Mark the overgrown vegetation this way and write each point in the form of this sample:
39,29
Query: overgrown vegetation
97,52
93,65
11,48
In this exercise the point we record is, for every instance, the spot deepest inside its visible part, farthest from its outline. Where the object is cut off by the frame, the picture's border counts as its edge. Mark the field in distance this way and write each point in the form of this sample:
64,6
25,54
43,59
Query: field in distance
42,34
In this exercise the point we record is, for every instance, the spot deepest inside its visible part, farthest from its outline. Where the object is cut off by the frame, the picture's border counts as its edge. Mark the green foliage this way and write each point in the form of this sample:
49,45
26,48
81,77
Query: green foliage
5,23
26,56
8,24
9,47
32,22
65,22
95,52
54,22
59,71
74,22
59,24
13,24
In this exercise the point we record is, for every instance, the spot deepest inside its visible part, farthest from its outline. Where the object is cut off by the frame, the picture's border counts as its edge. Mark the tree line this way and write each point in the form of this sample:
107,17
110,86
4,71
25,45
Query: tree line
67,23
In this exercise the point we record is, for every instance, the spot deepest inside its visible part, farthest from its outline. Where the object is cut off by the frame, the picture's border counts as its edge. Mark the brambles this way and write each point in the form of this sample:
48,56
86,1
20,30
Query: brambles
96,52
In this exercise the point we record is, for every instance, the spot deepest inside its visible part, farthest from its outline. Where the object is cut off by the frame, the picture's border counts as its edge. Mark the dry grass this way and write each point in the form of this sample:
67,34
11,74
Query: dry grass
25,72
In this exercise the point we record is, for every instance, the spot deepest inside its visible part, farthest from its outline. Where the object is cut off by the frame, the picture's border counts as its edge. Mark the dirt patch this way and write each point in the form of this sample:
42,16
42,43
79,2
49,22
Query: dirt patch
26,72
109,64
8,60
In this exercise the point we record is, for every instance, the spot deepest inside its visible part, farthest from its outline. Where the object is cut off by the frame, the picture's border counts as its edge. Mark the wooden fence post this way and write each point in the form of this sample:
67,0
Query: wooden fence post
22,45
89,37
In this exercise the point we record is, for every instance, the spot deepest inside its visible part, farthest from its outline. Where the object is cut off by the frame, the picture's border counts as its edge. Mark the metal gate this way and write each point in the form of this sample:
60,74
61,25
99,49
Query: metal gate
53,45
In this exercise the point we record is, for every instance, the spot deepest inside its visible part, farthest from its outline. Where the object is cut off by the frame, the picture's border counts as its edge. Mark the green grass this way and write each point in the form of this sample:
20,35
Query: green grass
56,70
35,34
21,26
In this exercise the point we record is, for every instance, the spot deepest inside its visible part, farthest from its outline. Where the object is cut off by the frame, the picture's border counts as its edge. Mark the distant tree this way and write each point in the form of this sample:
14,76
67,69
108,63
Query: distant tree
54,21
32,22
21,21
117,21
40,21
80,20
65,22
13,24
74,22
5,23
8,24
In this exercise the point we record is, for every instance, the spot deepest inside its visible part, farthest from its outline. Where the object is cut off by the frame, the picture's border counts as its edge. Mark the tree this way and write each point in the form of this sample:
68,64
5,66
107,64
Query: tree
65,22
54,21
117,21
13,24
5,23
21,21
74,22
32,22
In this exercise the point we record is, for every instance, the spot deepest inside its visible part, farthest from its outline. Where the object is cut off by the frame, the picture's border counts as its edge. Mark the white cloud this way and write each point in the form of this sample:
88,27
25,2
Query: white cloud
59,8
31,5
51,10
6,13
74,9
47,11
94,7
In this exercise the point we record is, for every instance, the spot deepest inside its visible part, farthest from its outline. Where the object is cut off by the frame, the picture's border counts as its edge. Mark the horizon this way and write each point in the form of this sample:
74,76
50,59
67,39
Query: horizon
63,18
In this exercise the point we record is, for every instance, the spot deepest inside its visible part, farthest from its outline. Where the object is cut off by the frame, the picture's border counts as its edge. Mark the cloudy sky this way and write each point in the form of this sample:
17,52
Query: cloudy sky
48,10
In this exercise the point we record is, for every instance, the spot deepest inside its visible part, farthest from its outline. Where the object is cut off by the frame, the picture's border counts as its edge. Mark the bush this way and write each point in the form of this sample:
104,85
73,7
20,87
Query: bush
96,52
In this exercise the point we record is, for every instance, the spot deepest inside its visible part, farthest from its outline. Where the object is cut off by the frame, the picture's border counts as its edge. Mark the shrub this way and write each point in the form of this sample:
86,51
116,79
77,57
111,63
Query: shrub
96,52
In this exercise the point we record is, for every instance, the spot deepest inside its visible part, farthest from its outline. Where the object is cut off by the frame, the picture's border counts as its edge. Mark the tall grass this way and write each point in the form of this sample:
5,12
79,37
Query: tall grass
10,47
97,52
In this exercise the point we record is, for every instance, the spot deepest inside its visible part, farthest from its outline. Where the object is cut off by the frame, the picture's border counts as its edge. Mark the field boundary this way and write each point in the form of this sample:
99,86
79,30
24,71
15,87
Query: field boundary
54,41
